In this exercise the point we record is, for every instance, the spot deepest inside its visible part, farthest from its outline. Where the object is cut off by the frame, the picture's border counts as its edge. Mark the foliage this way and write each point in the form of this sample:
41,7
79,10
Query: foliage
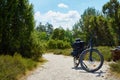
81,28
115,67
17,30
16,26
45,30
106,52
68,36
41,28
112,10
52,44
43,36
12,67
66,52
77,31
58,44
58,34
36,48
99,26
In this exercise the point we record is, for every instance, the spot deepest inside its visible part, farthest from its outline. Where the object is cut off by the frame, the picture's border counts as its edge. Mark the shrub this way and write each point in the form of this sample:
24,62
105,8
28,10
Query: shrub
36,47
58,44
115,67
67,45
66,52
12,67
105,50
58,51
52,44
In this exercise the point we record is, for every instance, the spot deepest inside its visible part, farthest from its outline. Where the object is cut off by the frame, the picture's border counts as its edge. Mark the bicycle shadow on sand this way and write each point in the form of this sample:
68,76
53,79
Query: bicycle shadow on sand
98,73
77,68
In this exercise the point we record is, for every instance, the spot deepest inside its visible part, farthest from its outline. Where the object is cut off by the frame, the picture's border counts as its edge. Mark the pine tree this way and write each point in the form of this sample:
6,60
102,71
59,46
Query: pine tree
16,25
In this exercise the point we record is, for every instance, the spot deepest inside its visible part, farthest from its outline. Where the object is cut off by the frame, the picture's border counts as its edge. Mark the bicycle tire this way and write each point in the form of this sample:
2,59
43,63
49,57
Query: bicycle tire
76,61
83,60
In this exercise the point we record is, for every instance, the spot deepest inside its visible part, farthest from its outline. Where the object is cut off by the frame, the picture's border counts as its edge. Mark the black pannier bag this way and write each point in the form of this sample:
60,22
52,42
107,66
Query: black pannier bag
78,47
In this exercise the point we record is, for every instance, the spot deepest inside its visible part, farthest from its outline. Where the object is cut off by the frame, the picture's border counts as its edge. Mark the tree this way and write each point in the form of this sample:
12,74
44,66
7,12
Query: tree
16,26
112,10
41,28
77,30
68,36
49,28
6,24
92,23
45,29
81,28
98,27
58,34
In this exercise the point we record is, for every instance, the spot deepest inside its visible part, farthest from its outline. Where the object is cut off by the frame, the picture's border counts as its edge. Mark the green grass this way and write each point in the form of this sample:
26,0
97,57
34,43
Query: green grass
115,67
106,52
66,52
13,67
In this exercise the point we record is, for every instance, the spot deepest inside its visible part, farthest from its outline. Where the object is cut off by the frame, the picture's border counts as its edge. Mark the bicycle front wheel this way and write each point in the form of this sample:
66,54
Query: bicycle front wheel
91,60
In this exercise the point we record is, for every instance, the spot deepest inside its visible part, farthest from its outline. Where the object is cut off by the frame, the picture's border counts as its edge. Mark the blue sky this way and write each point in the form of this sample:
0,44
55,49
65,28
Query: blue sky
63,13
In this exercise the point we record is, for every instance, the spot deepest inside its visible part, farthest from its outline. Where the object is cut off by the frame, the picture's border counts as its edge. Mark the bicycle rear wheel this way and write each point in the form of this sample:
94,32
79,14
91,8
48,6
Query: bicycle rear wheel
76,61
91,63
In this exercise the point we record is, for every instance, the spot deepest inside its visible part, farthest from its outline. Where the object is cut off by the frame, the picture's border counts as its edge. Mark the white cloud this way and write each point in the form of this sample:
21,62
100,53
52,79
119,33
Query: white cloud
62,5
57,19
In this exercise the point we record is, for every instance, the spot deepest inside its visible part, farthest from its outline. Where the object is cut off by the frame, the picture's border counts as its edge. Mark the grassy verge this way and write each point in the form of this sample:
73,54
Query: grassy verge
115,67
13,67
115,70
105,50
65,52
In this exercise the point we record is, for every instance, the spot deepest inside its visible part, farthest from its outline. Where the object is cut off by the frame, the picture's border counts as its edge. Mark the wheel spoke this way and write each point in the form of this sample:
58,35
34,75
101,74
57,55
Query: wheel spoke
76,62
85,65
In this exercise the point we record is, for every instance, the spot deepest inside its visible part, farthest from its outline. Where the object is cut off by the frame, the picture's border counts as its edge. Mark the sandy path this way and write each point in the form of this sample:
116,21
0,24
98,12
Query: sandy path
60,67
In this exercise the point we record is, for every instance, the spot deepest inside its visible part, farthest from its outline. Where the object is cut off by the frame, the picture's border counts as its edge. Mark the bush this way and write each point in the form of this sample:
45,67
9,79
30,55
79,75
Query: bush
12,67
115,67
58,52
106,51
36,47
66,52
52,44
67,45
58,44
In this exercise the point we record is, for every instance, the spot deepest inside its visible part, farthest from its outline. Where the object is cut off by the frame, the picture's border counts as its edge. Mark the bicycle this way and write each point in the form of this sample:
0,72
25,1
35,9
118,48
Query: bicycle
90,58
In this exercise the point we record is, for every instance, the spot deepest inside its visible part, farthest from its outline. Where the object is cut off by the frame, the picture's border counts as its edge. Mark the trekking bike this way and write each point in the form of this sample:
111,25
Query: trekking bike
90,58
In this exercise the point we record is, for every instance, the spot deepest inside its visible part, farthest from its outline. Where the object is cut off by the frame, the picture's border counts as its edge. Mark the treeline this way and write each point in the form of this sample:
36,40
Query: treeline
54,38
103,25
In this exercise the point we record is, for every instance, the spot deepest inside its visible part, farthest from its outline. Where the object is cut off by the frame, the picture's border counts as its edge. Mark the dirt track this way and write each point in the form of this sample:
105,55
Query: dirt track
61,67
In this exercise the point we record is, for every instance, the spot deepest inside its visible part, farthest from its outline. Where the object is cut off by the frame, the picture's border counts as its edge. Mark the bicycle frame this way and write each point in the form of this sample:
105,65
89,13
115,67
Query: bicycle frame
90,46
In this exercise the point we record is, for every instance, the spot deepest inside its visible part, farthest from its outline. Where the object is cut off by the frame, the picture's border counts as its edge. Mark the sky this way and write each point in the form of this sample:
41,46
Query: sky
64,13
